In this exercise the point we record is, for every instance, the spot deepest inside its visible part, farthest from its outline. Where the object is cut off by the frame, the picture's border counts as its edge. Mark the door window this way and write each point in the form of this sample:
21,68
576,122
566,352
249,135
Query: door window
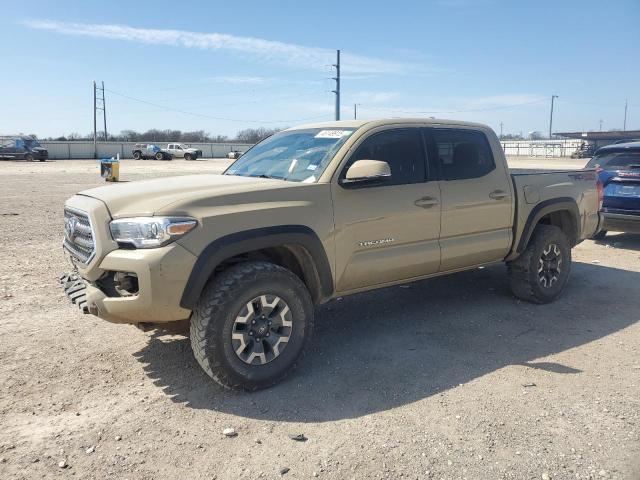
463,154
402,149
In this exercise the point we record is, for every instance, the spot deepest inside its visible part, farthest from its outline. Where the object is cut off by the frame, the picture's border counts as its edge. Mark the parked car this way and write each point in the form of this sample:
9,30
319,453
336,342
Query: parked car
311,214
181,150
234,154
148,150
585,150
626,140
27,148
619,173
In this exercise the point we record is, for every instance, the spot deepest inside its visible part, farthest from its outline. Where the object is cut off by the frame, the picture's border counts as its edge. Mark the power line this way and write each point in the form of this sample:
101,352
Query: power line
419,112
203,115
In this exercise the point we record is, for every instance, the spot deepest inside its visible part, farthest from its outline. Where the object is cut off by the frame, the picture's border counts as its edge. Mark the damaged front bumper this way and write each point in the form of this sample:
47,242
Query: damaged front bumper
76,290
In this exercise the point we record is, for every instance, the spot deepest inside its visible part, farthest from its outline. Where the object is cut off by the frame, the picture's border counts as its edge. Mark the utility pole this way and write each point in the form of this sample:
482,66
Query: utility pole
600,124
337,79
551,116
95,145
624,125
355,111
500,130
104,114
98,104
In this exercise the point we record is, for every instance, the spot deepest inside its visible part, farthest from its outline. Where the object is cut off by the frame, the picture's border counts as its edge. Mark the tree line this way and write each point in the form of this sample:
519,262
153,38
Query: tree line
248,135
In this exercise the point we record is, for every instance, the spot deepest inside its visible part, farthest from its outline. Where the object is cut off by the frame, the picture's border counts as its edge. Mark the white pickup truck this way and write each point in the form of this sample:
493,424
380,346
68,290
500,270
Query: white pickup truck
184,151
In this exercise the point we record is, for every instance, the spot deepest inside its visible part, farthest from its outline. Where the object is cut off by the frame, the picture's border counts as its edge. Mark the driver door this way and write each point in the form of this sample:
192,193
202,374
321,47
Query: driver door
388,232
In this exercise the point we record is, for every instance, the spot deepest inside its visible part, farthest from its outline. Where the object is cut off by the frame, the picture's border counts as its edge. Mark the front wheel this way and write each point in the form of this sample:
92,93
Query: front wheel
600,235
187,156
541,272
251,325
137,155
29,157
159,156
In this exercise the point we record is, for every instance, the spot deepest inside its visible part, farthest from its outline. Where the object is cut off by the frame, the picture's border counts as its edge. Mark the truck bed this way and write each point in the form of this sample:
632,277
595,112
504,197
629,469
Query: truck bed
537,189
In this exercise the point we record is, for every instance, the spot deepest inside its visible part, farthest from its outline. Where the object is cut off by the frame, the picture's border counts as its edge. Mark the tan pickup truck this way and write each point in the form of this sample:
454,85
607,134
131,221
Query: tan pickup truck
312,213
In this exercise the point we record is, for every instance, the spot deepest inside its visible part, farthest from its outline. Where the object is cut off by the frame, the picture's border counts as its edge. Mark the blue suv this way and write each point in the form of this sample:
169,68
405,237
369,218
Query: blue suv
619,172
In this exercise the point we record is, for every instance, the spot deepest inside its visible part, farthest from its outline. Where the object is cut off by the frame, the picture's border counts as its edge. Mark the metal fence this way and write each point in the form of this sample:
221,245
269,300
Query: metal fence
78,150
84,149
540,148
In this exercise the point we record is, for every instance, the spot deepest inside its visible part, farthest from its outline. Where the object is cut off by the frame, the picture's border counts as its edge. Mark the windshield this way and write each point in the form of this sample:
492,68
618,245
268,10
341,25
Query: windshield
294,155
31,143
611,160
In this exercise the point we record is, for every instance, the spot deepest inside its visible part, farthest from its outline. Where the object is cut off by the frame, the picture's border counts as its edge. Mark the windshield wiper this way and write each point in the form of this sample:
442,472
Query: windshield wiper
264,175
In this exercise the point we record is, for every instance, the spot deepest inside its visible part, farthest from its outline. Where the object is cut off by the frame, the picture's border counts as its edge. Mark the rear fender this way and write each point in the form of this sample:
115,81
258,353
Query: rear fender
562,204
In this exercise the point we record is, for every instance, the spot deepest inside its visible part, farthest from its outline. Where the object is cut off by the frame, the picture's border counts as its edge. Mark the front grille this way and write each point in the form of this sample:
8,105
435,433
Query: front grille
78,236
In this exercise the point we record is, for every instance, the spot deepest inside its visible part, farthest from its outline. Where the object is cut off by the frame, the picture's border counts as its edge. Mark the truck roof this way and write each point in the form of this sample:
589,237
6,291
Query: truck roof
386,121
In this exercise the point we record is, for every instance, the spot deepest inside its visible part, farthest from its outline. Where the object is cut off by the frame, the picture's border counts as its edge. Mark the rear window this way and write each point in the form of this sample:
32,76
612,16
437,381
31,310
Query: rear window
463,154
608,160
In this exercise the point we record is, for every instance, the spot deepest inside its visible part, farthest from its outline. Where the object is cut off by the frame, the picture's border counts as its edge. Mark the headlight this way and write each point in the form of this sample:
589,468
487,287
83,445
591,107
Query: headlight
150,232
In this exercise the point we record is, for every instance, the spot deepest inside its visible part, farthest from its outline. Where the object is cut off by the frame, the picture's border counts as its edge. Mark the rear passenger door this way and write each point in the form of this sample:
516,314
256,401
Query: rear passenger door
477,204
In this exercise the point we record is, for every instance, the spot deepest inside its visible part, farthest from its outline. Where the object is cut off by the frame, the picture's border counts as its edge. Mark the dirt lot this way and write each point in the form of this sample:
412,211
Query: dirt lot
449,378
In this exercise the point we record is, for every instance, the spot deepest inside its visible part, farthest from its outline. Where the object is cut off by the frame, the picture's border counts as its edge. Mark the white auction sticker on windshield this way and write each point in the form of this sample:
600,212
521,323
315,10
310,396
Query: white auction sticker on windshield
333,133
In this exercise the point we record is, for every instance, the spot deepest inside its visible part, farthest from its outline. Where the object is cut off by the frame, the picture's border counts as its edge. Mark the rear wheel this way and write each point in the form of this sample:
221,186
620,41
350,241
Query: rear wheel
159,156
251,325
29,157
137,155
541,272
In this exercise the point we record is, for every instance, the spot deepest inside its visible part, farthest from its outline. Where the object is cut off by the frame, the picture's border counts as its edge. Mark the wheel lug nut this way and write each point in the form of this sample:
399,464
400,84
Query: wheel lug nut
268,334
253,322
251,334
269,322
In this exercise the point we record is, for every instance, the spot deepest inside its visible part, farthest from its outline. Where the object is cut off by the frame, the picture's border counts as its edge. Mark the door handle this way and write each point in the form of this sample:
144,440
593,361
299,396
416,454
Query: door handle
498,194
426,202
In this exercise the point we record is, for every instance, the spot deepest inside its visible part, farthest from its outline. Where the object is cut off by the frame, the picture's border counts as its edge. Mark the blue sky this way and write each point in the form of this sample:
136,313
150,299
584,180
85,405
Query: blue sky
224,66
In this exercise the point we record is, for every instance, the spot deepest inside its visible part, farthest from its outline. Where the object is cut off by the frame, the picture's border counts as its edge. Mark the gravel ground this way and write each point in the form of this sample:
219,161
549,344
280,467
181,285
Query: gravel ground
449,378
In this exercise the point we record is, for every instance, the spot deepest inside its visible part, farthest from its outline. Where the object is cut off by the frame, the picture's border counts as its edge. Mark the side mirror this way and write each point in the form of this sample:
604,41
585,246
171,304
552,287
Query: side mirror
366,172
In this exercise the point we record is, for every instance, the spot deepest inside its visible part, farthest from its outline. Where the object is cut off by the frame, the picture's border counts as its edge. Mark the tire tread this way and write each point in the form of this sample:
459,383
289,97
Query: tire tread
216,294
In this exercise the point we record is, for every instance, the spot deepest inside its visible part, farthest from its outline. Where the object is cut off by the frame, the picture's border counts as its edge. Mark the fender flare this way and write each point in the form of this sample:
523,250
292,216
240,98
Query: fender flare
247,241
544,208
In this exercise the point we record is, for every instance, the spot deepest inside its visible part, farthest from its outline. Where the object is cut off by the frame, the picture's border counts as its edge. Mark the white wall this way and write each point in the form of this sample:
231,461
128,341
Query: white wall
78,150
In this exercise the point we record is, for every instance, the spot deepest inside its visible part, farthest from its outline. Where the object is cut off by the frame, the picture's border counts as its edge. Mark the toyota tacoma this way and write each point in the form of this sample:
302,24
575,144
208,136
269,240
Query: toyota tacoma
310,214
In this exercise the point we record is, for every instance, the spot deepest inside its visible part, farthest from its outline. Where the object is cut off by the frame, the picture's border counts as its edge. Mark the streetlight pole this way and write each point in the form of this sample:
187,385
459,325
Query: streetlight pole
551,115
624,127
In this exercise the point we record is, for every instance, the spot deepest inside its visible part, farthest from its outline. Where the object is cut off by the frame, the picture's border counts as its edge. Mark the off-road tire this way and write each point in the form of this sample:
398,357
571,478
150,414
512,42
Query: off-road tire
223,299
523,271
159,156
600,235
187,156
137,155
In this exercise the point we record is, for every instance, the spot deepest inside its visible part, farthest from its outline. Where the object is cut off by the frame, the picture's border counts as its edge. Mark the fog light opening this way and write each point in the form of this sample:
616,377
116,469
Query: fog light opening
126,283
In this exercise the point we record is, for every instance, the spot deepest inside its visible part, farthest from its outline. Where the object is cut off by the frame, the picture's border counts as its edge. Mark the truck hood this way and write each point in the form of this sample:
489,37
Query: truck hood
145,197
